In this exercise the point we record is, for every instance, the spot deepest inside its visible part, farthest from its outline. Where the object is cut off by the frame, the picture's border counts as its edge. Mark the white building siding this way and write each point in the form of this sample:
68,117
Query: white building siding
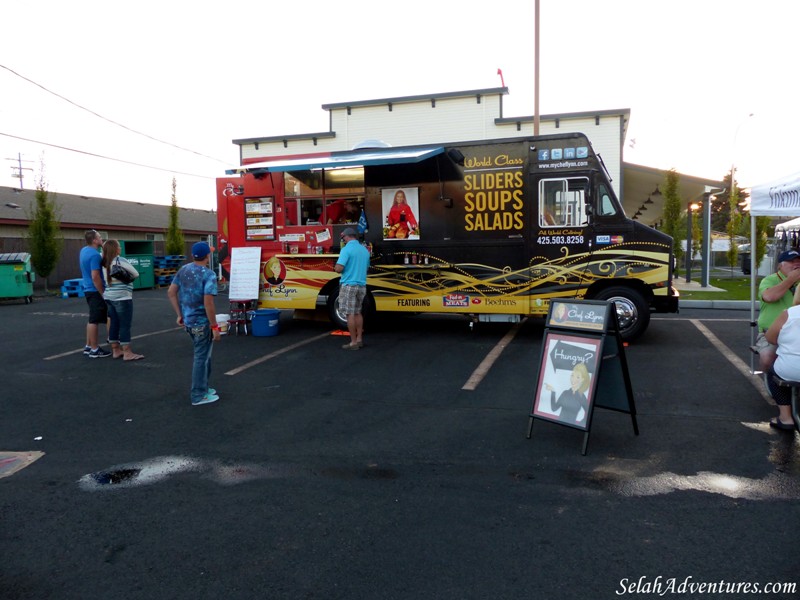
604,136
452,119
293,147
412,123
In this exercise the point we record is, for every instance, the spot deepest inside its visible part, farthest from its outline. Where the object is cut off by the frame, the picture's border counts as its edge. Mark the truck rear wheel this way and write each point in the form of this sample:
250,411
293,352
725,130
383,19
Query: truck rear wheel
633,313
338,318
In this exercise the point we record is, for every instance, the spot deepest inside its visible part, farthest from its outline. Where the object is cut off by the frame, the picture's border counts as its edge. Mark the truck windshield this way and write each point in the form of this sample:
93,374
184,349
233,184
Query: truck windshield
562,202
606,207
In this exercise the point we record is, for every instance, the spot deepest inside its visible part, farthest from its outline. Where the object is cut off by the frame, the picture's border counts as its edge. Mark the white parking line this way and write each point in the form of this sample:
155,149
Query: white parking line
486,364
136,337
732,358
272,355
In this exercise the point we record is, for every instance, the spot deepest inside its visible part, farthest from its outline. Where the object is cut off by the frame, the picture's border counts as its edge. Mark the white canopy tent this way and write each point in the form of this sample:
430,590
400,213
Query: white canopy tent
780,198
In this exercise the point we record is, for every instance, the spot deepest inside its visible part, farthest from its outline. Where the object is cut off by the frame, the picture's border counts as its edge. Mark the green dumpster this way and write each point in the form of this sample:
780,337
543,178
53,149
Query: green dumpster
140,255
16,277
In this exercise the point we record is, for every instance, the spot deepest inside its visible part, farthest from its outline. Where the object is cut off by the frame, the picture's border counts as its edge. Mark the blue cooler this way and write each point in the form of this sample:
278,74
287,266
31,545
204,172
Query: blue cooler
265,322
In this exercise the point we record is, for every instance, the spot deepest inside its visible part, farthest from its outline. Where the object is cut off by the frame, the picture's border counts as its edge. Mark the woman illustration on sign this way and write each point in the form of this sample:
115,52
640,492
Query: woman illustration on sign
275,267
401,221
572,400
560,313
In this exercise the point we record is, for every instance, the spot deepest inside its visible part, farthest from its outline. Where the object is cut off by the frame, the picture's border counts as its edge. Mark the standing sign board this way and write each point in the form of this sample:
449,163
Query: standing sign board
582,367
245,273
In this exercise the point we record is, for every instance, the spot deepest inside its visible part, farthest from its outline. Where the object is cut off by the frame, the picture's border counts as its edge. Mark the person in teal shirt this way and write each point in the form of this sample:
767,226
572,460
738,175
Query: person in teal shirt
776,294
352,264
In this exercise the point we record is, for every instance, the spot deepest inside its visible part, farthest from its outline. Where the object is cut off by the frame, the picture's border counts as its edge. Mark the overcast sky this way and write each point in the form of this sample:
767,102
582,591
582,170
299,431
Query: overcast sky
195,75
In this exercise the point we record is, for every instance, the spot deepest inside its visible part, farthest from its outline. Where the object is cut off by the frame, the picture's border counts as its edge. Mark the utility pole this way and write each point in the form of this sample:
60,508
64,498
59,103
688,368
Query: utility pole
536,70
20,169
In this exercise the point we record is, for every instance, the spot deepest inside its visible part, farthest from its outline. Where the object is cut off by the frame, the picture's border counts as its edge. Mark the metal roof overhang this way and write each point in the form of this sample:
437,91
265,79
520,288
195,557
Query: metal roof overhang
338,160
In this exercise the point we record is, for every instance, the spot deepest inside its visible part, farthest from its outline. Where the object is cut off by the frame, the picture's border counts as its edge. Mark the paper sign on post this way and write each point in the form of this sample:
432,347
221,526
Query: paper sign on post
245,269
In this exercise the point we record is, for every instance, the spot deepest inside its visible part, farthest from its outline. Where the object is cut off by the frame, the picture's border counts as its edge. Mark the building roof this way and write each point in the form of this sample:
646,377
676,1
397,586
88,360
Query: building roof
641,187
84,212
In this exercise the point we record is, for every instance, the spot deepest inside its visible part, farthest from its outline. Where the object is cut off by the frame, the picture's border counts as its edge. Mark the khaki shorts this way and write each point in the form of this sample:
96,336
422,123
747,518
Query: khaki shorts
351,297
762,344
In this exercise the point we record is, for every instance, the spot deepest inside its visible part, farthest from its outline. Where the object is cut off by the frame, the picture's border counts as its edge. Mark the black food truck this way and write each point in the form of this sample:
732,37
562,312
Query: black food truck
489,229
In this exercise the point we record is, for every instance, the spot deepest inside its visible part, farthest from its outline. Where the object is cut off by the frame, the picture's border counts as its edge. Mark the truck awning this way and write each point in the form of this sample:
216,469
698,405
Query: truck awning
375,156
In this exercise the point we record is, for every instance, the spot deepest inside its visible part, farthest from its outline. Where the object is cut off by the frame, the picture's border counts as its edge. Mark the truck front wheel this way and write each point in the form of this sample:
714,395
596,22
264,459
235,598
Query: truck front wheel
633,313
338,318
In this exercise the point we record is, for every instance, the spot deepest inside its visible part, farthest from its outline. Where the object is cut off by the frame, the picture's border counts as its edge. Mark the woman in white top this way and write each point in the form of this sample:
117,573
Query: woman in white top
119,298
785,333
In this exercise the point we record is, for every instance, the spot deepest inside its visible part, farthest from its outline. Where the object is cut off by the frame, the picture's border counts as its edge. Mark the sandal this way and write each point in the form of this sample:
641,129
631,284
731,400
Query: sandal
134,357
778,424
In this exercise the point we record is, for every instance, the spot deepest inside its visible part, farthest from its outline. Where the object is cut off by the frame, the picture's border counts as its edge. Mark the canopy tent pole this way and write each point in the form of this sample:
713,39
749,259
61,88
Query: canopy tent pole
753,275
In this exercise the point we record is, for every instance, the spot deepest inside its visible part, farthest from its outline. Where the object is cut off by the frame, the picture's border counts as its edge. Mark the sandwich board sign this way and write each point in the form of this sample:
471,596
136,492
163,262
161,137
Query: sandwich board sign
582,367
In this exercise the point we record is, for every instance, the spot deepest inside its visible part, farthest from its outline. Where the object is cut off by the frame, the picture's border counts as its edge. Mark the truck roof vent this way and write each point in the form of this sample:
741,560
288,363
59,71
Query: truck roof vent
371,144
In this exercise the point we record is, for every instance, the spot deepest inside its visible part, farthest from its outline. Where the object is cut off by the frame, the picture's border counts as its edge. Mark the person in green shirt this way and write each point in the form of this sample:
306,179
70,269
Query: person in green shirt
776,294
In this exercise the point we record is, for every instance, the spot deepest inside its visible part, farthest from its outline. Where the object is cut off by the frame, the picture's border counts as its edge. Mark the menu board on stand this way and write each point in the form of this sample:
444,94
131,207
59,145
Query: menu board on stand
245,273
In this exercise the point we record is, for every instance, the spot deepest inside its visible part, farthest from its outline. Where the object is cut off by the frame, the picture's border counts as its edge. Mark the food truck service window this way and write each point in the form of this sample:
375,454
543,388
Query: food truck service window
344,195
303,202
562,202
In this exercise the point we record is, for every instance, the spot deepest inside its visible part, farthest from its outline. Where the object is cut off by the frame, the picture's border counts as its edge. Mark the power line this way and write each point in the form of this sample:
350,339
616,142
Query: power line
127,162
111,120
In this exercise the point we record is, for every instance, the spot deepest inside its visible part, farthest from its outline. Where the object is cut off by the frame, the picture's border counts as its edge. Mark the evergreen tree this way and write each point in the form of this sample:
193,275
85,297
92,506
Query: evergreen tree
763,226
734,222
672,212
697,231
762,232
45,240
175,244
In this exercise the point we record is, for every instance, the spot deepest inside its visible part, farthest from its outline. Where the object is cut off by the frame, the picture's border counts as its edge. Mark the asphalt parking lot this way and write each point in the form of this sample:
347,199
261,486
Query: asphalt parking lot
398,471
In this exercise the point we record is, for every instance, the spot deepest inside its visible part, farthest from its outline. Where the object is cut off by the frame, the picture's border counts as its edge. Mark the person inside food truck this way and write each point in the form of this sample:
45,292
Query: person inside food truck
342,211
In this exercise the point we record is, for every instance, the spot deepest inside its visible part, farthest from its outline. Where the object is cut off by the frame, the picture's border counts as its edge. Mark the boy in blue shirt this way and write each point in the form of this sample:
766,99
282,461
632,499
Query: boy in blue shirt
192,294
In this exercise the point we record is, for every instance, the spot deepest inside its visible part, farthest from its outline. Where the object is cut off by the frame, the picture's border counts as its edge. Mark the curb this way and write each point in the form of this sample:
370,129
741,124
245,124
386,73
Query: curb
716,304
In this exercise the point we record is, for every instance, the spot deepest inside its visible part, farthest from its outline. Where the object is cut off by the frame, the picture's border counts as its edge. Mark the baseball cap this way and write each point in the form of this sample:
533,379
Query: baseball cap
200,250
788,255
349,231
